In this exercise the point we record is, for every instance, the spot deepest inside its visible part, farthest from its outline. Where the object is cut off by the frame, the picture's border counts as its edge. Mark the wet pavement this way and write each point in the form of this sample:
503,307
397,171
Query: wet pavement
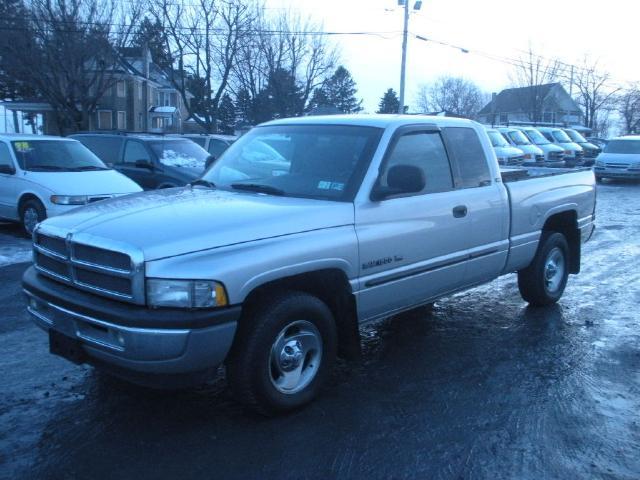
482,387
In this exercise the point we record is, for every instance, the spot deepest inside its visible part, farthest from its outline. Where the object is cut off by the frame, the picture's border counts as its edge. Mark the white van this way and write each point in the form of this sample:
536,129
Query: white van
43,176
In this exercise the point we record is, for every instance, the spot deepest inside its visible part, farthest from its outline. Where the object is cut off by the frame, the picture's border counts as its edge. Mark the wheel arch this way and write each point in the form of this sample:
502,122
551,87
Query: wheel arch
25,197
331,285
566,223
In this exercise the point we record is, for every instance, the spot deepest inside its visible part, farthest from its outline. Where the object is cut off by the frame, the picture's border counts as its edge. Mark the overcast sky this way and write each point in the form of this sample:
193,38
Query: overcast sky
566,29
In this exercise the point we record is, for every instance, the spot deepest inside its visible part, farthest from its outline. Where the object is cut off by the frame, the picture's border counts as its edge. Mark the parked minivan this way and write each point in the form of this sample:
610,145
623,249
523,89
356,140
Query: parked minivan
553,154
620,159
152,161
532,155
591,151
43,176
573,153
506,154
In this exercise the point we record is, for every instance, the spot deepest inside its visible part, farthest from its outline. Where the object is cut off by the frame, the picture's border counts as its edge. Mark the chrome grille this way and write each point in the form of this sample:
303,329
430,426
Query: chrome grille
90,263
556,155
515,160
539,158
617,165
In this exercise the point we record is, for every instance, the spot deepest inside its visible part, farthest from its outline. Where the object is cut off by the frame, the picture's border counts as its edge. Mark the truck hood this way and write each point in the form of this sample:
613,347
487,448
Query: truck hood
101,182
165,223
508,152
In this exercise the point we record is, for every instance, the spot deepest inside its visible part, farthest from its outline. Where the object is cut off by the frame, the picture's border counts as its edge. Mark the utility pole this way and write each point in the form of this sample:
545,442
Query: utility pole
571,83
403,65
405,31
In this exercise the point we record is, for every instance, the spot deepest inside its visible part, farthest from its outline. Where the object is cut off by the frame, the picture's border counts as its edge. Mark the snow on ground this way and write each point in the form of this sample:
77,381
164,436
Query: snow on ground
13,247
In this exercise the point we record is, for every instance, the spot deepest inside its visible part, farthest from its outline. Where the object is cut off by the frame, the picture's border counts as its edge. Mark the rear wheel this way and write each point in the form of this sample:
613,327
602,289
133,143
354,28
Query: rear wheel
32,212
543,282
284,350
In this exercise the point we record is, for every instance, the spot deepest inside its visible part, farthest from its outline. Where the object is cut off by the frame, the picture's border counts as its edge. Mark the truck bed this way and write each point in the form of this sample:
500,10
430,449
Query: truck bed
516,174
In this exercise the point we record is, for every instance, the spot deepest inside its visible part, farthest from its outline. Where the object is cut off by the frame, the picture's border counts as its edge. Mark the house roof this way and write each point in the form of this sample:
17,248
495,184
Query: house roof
511,99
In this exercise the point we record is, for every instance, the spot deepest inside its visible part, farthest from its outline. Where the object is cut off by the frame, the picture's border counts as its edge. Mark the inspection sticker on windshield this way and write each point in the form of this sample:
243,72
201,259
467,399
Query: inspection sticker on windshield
22,146
322,185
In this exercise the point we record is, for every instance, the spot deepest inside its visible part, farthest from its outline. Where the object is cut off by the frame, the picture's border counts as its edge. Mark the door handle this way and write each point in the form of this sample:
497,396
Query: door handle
460,211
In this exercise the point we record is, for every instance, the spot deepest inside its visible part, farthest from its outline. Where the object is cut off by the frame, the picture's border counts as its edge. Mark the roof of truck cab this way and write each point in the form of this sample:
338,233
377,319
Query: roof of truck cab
26,137
371,120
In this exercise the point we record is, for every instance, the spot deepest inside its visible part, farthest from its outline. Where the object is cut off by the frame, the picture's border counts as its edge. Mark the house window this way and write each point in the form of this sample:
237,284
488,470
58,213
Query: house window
140,122
105,119
122,120
504,118
549,117
139,91
121,89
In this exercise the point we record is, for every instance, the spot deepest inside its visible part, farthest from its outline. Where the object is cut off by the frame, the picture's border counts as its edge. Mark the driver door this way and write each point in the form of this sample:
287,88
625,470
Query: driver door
137,164
412,246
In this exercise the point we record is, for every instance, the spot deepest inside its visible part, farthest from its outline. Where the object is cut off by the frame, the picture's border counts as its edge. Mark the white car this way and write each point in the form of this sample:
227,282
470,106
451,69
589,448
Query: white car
43,176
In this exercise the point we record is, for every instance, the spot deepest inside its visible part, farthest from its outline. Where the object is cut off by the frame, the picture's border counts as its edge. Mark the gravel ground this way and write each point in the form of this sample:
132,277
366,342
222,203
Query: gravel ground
482,387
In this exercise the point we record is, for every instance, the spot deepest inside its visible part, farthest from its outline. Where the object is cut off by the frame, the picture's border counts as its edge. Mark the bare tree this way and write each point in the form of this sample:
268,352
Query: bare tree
205,40
532,72
451,94
67,52
287,42
628,107
594,94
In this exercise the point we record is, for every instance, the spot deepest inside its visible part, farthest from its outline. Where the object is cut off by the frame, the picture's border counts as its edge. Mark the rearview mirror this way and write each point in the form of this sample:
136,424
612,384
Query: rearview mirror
144,164
401,179
8,169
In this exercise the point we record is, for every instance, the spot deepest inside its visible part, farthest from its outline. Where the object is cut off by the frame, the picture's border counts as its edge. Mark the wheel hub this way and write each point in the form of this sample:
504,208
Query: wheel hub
554,270
291,355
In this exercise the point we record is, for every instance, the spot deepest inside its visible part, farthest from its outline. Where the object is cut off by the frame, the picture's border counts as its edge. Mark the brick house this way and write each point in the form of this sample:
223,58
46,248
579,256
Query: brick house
550,103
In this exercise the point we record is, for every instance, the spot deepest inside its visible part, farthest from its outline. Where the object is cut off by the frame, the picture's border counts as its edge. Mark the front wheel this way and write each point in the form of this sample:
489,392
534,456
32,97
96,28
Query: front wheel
32,212
284,350
543,282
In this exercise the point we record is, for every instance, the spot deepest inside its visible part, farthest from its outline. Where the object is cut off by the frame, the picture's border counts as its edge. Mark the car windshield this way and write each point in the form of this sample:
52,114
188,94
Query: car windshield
575,136
518,137
313,161
497,140
560,136
180,153
623,146
536,137
55,156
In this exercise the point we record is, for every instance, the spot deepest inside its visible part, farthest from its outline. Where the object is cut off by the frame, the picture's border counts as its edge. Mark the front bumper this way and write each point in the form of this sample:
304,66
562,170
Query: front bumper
132,337
616,172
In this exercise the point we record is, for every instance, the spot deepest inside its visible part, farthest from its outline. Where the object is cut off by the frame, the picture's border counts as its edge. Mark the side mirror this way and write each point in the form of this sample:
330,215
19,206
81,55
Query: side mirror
400,179
209,161
144,164
8,169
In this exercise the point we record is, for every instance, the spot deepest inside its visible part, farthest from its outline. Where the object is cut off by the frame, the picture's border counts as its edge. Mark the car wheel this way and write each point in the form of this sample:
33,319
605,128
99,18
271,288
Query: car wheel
543,282
32,212
284,350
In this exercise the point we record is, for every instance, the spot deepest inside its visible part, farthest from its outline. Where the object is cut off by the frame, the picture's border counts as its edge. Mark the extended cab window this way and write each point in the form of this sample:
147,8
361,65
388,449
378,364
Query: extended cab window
426,151
466,149
106,149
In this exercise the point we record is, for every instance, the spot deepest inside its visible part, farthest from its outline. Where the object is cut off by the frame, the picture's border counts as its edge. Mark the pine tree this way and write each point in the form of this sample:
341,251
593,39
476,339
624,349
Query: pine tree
244,108
151,35
389,103
227,115
281,98
340,89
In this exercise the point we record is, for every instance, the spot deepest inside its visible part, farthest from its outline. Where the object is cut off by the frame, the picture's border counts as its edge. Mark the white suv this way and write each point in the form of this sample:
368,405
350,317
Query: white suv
43,176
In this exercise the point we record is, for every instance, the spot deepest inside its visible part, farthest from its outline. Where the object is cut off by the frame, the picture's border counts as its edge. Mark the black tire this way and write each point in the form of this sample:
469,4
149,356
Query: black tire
533,283
599,179
29,211
251,372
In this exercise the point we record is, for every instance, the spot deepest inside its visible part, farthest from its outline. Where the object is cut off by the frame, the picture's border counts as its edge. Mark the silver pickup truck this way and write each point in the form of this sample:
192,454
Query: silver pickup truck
301,231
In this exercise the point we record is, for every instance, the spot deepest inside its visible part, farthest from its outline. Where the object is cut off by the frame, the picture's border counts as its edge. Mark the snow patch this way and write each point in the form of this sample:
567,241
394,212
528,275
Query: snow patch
177,159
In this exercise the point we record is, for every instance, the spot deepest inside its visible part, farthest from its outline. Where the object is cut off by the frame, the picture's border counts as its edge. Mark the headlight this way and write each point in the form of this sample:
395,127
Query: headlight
69,199
502,160
527,156
185,293
599,163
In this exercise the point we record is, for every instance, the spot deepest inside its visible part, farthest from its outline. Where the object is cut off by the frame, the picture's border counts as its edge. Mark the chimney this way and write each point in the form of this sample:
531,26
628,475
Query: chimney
146,58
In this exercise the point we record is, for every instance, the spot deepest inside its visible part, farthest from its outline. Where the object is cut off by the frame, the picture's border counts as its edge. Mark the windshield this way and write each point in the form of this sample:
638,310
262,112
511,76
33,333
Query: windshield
314,161
180,153
518,137
560,136
575,136
497,140
55,155
623,146
536,137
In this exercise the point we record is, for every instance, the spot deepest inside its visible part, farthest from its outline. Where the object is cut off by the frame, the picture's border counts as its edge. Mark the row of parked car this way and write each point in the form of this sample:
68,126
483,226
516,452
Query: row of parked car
96,166
542,146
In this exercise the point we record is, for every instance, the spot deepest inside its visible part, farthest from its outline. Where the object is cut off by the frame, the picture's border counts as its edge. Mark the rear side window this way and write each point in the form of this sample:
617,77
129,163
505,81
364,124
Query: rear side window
216,147
5,155
426,151
466,149
105,148
135,151
199,140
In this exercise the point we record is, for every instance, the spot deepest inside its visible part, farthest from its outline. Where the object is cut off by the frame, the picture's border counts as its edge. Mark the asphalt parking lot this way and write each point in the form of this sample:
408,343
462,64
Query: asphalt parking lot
482,387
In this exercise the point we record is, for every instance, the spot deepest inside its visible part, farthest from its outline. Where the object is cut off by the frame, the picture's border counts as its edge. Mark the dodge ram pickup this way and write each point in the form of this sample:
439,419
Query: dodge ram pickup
302,230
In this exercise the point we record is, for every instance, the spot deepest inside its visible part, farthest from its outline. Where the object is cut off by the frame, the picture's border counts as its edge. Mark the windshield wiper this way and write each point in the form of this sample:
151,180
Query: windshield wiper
87,168
203,182
258,187
46,168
